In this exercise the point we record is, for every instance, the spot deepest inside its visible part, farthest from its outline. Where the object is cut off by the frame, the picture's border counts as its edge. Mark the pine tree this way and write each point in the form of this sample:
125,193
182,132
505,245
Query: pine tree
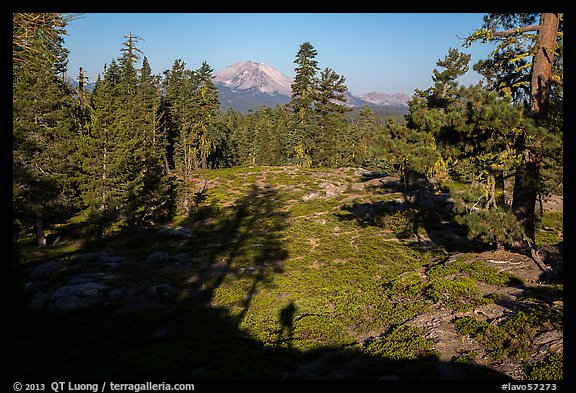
330,106
445,88
103,188
303,95
38,40
157,194
122,152
368,140
531,83
475,131
179,113
206,113
43,129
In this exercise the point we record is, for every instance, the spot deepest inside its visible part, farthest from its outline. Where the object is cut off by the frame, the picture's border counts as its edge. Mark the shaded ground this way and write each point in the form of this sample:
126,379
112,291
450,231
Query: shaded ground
287,273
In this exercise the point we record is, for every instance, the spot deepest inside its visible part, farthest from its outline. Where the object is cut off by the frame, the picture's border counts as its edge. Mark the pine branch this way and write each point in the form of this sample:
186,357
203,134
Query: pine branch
505,33
557,81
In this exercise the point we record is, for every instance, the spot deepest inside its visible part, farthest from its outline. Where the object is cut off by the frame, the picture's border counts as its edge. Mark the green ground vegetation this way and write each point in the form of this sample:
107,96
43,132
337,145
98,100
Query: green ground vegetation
276,286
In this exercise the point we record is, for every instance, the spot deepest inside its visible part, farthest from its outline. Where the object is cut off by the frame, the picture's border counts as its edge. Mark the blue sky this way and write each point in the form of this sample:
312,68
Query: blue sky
383,52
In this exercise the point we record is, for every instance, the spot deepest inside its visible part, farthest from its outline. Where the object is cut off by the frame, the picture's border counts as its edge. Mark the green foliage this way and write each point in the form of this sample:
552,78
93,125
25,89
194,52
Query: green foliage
403,342
477,270
121,151
408,287
550,228
493,226
318,331
37,40
43,134
329,105
454,65
549,369
513,336
303,95
401,222
282,282
469,325
509,71
461,294
261,137
206,118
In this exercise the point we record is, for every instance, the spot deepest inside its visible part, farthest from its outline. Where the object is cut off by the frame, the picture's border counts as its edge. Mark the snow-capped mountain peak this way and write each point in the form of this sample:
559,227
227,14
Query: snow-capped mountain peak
246,75
248,85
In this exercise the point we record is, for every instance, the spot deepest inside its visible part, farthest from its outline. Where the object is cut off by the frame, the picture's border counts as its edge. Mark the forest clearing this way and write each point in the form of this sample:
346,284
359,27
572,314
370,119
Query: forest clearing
284,272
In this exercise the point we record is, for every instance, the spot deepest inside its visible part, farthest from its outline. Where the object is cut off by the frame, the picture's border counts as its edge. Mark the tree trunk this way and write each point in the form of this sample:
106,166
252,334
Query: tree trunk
500,189
39,226
492,192
526,191
528,174
542,64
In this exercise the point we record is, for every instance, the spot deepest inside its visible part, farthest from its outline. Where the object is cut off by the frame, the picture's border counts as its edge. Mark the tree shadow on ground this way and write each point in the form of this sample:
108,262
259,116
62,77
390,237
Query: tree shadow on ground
423,213
189,337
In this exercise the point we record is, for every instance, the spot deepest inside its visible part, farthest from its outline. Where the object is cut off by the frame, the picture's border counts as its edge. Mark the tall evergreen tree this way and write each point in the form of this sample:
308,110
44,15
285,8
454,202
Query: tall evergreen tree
181,87
474,130
330,106
303,95
368,140
157,195
43,129
104,186
520,38
206,127
38,39
122,152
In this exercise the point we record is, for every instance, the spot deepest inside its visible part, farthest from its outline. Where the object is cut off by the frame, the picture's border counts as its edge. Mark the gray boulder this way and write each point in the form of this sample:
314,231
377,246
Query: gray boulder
182,257
46,269
100,256
87,257
111,260
176,232
310,196
159,256
332,190
39,300
90,277
76,296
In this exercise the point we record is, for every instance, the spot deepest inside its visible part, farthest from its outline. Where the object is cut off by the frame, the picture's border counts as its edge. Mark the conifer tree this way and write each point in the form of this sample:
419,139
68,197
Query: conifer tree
475,130
122,152
303,95
43,127
527,65
181,86
104,185
157,194
37,40
368,140
330,106
206,114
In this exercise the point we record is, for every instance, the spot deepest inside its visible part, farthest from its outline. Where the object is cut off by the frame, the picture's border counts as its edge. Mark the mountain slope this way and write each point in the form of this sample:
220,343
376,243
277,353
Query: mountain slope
247,85
385,99
247,75
250,99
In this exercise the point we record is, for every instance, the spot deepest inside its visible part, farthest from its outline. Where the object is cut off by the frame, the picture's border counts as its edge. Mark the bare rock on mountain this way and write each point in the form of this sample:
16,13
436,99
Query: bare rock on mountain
385,99
247,75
